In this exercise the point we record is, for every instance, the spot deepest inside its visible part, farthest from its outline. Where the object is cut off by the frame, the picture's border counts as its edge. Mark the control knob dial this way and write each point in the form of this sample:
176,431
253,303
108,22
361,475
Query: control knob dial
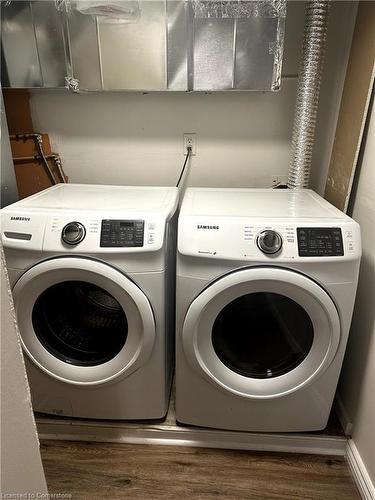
269,241
73,233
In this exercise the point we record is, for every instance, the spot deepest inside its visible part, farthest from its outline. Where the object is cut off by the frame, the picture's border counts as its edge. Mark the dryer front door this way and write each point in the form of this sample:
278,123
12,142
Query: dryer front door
82,321
261,332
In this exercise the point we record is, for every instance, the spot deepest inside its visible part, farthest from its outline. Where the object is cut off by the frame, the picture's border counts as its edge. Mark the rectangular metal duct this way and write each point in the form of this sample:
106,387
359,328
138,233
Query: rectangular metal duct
143,45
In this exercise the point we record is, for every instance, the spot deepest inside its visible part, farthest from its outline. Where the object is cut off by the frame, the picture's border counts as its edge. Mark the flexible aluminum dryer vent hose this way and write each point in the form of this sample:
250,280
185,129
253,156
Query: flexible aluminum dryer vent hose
310,73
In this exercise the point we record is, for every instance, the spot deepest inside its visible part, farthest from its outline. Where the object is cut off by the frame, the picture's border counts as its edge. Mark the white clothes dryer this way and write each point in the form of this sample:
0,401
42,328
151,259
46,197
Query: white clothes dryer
92,270
266,282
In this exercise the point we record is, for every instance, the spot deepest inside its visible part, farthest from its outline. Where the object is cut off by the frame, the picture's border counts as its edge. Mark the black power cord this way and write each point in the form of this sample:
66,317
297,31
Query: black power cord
184,166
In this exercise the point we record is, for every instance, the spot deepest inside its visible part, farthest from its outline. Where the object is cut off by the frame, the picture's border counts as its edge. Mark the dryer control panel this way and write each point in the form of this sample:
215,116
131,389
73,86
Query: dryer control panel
275,240
122,233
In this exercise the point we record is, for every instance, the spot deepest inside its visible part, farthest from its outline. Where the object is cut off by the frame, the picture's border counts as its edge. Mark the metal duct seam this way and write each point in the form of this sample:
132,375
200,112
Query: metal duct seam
310,74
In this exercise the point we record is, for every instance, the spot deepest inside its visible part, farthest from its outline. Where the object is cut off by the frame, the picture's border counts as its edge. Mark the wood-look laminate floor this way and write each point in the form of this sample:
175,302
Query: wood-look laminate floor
90,470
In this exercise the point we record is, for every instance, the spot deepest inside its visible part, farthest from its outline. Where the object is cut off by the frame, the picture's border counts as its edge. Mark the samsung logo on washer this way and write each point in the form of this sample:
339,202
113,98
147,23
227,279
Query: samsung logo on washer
202,226
20,218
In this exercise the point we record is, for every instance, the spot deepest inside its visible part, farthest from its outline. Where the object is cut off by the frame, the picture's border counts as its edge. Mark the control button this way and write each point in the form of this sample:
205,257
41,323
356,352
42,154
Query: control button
269,241
73,233
151,238
121,233
151,226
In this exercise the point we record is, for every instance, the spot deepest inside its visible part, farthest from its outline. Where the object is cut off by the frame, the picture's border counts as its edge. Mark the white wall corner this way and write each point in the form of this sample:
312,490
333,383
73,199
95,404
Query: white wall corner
22,472
343,416
359,471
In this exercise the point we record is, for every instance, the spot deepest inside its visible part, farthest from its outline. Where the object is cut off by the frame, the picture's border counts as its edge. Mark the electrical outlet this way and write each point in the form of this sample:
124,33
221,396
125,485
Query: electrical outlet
275,180
190,140
278,179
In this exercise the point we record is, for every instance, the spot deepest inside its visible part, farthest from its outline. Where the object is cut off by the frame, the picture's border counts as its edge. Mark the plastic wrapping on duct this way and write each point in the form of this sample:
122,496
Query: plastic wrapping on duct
310,73
236,9
110,11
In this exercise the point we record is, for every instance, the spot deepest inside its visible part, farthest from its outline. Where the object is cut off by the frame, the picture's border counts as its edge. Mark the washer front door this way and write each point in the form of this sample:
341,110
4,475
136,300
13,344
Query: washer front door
82,321
261,332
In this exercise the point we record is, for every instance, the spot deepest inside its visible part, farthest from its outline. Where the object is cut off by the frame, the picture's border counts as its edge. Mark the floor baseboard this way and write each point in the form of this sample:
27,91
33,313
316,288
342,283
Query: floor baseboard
359,471
174,435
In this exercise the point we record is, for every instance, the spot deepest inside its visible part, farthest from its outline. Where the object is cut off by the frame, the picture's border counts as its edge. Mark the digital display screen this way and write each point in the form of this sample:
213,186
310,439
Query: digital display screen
320,242
320,234
126,224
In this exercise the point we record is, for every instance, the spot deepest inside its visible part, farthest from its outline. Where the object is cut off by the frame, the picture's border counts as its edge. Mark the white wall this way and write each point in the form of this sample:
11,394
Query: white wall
113,138
21,465
357,384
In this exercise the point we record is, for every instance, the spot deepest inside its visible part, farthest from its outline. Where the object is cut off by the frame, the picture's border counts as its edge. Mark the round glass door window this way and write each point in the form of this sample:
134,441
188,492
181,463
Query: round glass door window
80,323
262,335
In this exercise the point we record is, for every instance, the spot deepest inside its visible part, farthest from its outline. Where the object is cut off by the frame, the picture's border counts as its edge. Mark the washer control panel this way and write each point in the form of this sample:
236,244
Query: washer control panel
122,233
320,242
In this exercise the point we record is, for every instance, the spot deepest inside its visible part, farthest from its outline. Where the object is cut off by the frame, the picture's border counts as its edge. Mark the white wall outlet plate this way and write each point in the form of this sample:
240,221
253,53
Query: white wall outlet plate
190,140
277,180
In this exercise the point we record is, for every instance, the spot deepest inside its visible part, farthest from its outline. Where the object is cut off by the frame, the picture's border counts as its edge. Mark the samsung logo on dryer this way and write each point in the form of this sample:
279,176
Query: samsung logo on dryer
20,218
203,226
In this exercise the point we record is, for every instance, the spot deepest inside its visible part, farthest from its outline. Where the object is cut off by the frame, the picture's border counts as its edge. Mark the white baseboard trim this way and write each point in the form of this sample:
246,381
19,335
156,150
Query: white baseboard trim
343,416
163,434
359,471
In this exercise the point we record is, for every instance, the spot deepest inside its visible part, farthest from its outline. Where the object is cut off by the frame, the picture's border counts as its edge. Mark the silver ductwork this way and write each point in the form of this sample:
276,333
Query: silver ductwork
143,45
310,73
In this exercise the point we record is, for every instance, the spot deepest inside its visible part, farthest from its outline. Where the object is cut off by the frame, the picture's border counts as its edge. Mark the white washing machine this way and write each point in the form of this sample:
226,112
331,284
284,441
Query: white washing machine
266,282
93,270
